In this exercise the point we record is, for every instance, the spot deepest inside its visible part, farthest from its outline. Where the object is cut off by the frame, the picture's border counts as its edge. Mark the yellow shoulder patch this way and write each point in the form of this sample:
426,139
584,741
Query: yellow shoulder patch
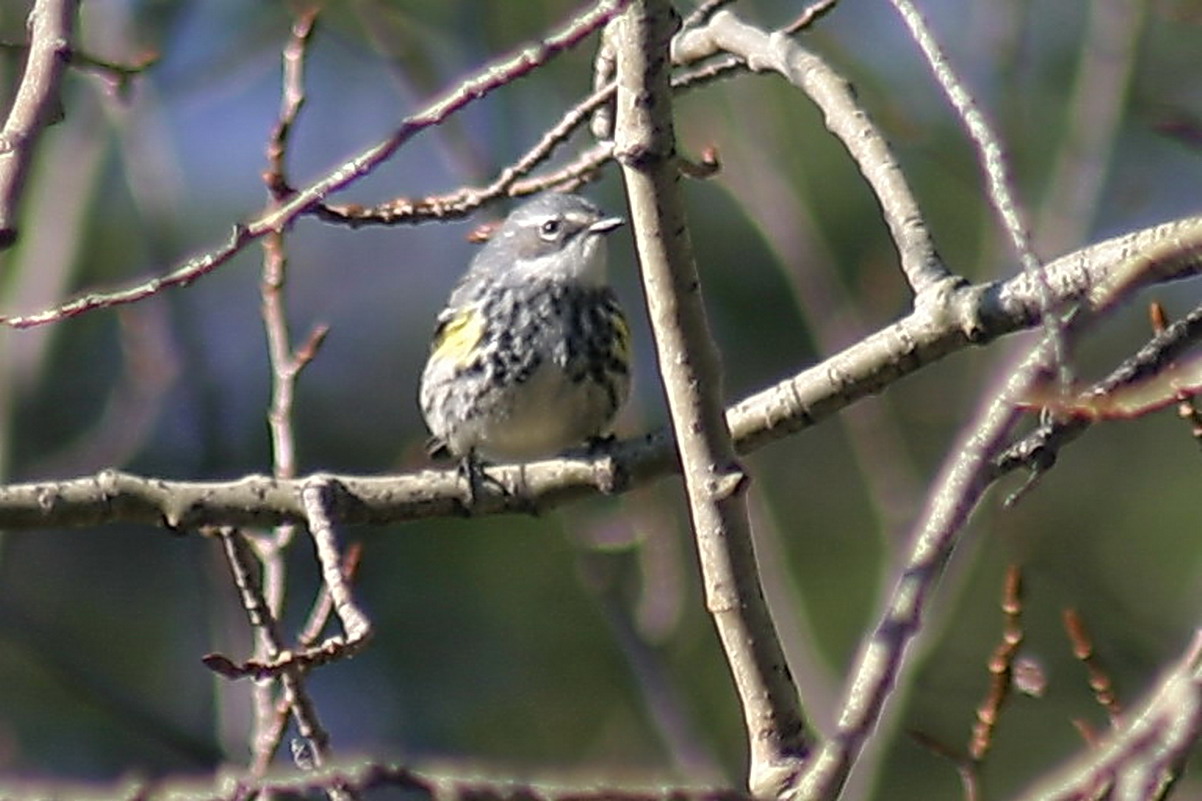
621,337
457,337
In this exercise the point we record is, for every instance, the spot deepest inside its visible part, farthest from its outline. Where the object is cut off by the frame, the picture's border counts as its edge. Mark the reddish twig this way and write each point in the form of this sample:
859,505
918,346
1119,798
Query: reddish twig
1187,410
1001,667
1099,680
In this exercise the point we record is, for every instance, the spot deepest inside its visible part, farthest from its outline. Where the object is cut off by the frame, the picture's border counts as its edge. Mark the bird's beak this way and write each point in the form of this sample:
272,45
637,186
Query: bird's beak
606,225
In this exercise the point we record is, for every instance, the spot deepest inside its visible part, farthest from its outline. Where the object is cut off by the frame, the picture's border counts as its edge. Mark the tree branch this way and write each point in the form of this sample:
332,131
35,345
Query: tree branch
969,315
645,146
1140,760
844,117
50,25
278,216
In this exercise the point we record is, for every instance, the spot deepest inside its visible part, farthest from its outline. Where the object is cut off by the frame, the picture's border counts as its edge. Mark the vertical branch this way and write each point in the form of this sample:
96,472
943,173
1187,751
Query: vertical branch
644,144
50,26
285,367
1001,668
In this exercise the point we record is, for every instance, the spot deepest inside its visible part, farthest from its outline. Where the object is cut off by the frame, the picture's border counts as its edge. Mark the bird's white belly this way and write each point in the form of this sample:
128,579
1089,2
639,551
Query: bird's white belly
540,417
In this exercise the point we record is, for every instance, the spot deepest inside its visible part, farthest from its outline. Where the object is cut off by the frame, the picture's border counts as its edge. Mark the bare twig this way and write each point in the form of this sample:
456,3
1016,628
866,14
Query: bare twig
50,25
285,369
119,76
1038,451
967,473
1099,679
508,182
1188,410
644,144
1091,120
956,492
310,638
245,568
276,218
1001,668
317,498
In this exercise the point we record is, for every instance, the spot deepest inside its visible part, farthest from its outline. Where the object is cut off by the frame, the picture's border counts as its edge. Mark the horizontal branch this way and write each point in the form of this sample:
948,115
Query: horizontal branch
944,322
363,777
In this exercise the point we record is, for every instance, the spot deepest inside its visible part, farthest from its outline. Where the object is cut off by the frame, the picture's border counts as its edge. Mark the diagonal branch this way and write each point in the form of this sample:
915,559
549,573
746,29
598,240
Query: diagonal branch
50,26
967,473
279,216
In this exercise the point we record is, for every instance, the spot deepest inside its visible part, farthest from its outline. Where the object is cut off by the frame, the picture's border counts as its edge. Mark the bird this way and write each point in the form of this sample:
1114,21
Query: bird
531,355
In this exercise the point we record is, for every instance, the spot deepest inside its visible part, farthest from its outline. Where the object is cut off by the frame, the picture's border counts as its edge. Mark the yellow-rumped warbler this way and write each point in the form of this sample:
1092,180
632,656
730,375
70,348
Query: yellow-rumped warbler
531,354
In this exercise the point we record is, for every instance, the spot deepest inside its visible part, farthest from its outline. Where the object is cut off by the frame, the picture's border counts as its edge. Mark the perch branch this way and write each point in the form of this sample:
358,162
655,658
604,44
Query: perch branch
969,315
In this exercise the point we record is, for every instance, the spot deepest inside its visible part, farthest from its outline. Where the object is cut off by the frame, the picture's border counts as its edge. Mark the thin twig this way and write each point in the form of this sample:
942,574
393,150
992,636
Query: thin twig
644,144
1038,451
1001,668
285,368
317,497
245,568
276,218
967,474
1100,682
1188,410
997,174
310,637
1091,120
1141,760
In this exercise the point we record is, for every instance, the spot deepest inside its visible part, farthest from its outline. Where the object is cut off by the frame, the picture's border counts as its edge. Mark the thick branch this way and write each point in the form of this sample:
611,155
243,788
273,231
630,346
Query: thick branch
50,24
644,144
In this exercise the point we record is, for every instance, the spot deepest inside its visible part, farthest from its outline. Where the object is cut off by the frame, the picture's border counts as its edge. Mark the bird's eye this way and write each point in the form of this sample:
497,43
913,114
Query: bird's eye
550,228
